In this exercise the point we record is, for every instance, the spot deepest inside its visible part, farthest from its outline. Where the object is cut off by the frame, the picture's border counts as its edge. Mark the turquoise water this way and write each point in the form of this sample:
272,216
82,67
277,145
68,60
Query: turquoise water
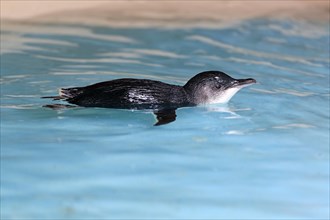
264,155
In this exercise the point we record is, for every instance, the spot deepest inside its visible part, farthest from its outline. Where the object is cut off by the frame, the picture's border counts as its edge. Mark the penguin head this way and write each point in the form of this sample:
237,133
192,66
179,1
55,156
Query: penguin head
212,87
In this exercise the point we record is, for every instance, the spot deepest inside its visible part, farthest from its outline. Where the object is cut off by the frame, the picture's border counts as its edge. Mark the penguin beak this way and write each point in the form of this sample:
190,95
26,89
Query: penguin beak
243,82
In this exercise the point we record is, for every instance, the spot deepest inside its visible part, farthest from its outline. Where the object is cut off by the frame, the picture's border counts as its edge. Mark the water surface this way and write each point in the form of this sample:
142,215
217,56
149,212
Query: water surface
265,155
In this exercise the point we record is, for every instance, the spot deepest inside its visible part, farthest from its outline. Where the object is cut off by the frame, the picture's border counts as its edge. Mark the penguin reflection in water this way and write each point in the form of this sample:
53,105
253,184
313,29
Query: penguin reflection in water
205,88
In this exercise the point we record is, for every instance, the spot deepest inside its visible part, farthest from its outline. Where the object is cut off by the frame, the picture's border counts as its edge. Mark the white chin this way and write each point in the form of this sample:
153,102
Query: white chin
224,97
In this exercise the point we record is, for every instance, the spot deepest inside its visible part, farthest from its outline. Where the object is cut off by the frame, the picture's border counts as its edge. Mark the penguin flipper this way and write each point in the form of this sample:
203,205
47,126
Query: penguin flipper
165,116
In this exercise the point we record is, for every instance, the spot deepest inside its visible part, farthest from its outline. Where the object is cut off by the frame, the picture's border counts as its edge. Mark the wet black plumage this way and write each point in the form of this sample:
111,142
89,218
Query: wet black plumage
128,94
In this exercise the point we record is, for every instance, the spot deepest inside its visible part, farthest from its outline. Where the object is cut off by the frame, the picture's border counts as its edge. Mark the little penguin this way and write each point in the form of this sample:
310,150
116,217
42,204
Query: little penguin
207,87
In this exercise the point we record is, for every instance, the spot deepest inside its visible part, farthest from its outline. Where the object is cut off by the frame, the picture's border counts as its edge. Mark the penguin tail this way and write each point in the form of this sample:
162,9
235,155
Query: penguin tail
64,94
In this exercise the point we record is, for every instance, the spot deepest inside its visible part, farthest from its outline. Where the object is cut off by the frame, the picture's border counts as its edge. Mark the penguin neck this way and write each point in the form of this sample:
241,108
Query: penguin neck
204,96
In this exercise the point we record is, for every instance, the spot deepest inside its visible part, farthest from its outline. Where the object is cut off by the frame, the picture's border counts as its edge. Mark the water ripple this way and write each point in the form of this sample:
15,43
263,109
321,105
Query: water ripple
268,64
154,52
14,37
294,92
300,30
17,43
102,60
68,31
294,125
239,50
284,91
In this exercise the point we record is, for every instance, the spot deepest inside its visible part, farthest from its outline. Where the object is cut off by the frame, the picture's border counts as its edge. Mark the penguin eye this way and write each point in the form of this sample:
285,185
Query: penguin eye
218,86
217,83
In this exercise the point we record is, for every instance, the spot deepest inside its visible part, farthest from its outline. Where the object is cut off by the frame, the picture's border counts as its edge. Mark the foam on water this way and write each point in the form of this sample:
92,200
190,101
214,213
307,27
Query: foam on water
264,155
